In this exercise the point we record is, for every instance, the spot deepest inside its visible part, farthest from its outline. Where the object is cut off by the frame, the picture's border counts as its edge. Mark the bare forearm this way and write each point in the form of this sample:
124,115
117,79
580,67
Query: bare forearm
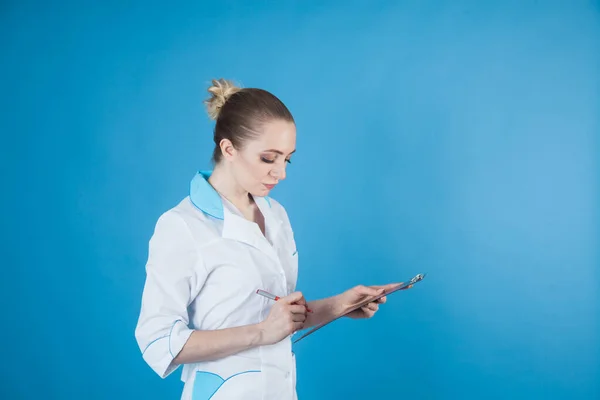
322,310
212,345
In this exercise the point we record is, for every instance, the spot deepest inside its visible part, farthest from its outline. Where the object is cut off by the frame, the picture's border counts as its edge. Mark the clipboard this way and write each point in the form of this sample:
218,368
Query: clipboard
400,286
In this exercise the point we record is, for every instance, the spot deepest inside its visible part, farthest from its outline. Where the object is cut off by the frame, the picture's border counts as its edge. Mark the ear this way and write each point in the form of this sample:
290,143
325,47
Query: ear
227,149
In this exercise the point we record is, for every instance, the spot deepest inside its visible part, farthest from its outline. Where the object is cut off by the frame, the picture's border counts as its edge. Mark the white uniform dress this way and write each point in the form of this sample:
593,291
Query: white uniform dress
204,266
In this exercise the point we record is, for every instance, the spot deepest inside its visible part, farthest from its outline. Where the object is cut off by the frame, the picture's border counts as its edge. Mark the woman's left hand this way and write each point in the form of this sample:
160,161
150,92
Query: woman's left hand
357,294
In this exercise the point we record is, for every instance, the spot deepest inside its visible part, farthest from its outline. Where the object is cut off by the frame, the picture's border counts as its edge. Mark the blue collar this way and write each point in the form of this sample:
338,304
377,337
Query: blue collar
205,197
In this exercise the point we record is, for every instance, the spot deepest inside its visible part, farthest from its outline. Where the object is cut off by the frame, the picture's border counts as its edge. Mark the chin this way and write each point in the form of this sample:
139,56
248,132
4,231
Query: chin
260,191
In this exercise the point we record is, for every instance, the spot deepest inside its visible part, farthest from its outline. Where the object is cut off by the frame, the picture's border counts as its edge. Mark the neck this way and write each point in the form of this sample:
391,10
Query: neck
223,181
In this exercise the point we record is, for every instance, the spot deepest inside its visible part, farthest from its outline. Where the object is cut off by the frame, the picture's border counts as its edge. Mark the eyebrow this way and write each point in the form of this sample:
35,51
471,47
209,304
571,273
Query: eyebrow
279,152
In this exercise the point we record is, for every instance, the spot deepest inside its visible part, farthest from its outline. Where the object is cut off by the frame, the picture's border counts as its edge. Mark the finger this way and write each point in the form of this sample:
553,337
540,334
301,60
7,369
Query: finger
301,301
298,317
368,312
369,291
297,309
381,300
373,306
392,286
298,326
389,286
293,298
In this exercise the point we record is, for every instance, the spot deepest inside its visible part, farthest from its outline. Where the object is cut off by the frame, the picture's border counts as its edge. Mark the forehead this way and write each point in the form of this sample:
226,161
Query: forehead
279,135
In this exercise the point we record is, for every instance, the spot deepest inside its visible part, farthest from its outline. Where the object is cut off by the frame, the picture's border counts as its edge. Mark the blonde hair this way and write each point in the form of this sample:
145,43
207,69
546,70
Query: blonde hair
240,112
221,90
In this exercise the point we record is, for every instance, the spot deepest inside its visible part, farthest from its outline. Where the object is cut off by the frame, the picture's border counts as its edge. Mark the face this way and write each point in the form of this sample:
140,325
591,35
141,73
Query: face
261,163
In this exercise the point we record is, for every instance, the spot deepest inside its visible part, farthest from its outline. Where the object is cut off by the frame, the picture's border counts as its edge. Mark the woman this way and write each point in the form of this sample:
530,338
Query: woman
210,254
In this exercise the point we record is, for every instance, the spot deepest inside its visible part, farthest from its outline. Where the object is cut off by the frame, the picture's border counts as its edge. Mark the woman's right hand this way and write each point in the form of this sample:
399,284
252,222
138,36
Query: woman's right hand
287,316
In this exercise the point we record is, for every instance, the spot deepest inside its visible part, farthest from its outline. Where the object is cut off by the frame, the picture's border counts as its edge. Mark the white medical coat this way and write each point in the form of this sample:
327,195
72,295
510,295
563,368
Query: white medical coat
204,266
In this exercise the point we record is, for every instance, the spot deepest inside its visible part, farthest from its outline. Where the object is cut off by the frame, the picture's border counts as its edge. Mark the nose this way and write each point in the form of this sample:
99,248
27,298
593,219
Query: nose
278,172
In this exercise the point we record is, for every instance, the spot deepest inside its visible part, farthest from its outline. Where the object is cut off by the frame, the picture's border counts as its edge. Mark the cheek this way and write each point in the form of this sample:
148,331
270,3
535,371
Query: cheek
254,172
261,171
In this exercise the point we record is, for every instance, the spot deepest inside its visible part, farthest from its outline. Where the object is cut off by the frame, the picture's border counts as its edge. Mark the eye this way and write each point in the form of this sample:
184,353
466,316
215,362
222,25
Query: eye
289,160
267,160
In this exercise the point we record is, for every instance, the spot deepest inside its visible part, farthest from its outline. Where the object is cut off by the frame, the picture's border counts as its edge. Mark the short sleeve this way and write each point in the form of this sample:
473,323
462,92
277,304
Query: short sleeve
174,275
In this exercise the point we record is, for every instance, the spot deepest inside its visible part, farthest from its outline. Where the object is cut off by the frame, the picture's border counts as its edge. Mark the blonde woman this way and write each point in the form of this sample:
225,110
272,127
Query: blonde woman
210,254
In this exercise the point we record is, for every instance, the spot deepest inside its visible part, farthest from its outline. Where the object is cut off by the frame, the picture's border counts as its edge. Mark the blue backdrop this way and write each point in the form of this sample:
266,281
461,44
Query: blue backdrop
459,139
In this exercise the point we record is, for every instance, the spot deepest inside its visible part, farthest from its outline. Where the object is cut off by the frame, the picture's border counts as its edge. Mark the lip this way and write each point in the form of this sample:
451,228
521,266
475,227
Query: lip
270,187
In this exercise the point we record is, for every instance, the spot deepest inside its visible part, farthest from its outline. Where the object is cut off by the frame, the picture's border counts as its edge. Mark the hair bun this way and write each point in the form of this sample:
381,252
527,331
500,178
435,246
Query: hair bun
220,91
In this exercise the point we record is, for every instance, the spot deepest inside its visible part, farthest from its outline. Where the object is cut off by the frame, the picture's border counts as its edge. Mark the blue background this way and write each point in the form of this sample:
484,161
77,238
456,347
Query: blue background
458,139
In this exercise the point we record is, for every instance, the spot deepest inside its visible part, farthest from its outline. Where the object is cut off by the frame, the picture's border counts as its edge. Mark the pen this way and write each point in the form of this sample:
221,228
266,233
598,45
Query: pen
273,297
